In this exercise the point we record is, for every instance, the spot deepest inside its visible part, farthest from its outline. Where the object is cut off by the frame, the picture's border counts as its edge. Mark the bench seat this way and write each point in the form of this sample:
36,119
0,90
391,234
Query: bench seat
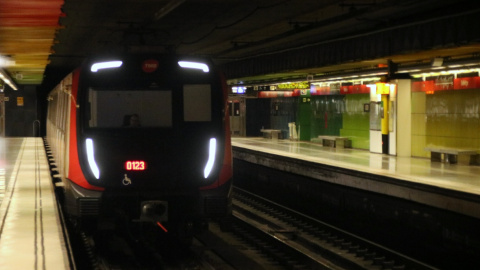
271,133
334,141
450,154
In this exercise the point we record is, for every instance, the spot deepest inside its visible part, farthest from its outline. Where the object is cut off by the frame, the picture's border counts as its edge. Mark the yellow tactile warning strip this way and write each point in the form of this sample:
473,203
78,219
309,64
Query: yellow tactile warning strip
31,235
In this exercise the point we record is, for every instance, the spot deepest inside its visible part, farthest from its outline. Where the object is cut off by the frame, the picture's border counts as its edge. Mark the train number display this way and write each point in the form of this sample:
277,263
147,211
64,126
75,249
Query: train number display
135,165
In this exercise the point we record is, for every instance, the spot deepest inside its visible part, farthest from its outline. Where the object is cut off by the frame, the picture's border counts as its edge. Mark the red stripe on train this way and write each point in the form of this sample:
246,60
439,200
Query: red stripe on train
75,173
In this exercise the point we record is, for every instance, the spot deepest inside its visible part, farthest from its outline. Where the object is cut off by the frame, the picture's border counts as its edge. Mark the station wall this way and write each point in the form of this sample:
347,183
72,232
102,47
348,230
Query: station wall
336,115
270,113
341,115
449,118
21,112
257,116
356,123
444,113
326,117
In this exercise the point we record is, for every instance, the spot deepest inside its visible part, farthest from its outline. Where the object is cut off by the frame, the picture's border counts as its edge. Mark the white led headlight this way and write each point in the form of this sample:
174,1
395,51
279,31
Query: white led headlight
212,150
91,158
194,65
104,65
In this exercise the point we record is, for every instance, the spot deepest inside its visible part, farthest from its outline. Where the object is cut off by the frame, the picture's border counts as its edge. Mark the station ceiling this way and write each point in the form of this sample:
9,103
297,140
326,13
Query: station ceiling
43,40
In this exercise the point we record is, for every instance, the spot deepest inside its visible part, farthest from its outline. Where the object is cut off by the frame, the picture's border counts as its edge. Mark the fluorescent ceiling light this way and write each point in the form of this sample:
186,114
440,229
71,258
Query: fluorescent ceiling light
6,61
104,65
7,80
194,65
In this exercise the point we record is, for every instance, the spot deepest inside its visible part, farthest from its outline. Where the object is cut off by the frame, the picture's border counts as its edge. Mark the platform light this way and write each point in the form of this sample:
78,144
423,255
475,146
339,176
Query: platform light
91,158
6,61
212,150
4,76
105,65
194,65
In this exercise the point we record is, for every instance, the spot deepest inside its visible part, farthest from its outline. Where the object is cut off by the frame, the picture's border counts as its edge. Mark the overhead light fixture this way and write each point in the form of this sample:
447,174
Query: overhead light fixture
4,76
6,61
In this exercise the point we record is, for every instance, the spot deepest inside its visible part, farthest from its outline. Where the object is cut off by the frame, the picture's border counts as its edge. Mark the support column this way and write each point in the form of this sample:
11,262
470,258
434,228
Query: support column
385,118
404,118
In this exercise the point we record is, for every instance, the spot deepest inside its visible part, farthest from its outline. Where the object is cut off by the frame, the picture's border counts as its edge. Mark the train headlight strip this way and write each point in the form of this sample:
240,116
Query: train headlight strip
194,65
212,150
91,159
104,65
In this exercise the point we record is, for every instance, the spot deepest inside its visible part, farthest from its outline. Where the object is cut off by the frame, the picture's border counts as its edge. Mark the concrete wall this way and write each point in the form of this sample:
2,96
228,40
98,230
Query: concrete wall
20,111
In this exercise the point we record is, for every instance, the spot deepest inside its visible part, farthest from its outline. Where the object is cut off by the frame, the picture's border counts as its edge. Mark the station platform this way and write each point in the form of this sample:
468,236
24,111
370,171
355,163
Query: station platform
31,234
452,187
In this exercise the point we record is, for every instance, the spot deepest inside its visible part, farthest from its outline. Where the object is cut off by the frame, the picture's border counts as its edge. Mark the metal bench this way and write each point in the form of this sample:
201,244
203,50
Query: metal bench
450,155
335,141
273,134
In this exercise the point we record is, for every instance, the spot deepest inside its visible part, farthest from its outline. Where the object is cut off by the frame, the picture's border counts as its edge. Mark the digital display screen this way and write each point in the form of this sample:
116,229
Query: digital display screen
135,165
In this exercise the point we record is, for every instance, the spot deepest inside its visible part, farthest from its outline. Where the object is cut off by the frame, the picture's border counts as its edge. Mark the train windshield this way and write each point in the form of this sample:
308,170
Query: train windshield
115,108
130,108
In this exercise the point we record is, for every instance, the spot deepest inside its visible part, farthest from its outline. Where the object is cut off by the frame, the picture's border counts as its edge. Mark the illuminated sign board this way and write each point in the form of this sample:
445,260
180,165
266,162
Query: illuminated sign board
239,89
294,85
383,88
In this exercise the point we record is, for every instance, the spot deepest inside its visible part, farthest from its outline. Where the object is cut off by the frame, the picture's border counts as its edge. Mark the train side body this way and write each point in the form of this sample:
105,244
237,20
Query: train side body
147,138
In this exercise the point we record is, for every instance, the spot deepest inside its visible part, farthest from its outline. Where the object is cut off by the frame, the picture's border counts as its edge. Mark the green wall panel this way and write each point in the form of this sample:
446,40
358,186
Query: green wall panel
327,115
304,117
356,125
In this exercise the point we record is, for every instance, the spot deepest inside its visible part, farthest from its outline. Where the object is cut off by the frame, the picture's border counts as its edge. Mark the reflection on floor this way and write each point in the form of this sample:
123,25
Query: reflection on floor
458,177
31,235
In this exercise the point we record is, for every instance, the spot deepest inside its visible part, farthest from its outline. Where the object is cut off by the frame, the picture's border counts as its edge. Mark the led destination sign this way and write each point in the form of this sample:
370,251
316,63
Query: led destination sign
135,165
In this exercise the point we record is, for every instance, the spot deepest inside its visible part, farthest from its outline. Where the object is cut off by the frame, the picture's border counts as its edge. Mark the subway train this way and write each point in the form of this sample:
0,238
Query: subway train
144,139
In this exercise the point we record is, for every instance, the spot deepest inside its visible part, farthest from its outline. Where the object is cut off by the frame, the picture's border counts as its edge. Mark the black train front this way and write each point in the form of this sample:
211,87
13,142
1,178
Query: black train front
144,137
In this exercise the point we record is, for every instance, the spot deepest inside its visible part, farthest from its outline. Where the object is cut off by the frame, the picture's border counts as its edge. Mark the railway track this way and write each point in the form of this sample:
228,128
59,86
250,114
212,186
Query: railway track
261,235
326,247
110,250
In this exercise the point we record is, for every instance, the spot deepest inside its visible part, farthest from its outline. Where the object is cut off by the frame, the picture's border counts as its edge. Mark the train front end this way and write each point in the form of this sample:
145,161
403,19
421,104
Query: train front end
152,137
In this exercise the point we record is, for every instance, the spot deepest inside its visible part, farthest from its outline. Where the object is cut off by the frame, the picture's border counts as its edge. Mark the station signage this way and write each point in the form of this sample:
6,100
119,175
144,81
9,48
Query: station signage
291,89
275,94
445,82
19,101
264,88
339,89
293,85
383,88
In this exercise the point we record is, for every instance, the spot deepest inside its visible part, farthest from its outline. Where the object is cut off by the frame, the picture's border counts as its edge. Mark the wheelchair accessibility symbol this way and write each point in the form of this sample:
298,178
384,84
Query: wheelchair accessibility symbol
126,181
